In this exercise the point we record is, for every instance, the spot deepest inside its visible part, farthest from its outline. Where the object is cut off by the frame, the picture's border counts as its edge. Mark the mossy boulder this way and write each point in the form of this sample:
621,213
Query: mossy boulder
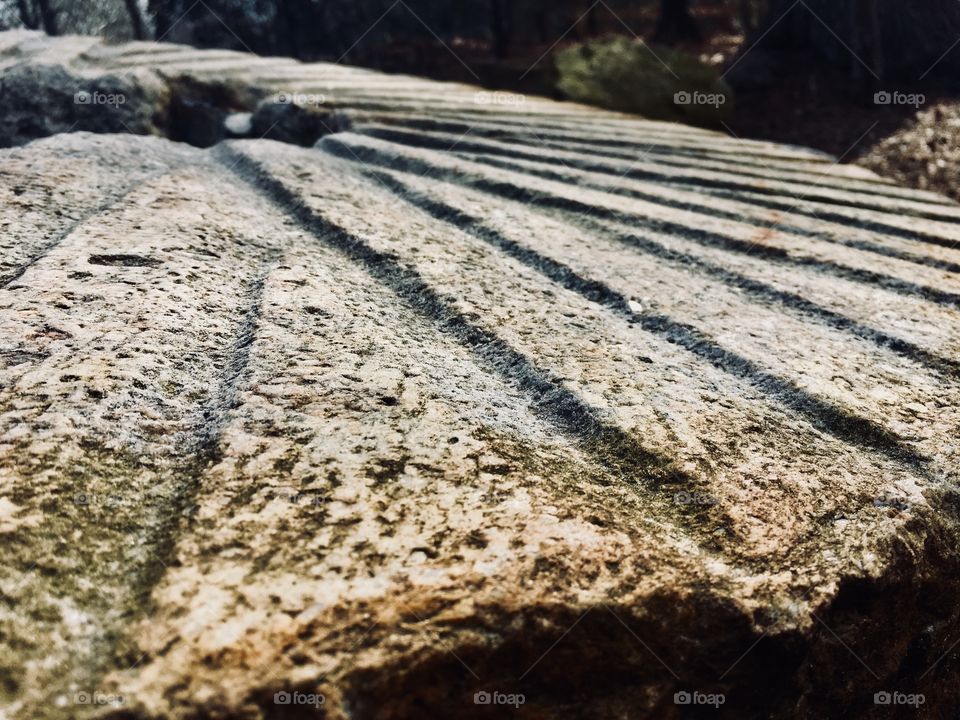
631,76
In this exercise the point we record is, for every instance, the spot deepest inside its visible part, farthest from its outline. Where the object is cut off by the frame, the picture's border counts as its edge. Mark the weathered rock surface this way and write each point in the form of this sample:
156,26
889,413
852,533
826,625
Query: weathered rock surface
471,396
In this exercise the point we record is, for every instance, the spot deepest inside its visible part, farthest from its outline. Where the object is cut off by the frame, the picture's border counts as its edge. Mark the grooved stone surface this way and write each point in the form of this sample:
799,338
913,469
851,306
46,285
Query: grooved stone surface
525,398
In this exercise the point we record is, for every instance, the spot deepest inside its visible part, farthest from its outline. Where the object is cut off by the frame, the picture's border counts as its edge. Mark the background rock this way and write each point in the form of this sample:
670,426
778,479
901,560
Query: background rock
41,100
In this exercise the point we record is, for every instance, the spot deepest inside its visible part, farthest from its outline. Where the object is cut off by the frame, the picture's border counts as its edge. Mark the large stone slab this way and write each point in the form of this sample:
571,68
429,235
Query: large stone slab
520,398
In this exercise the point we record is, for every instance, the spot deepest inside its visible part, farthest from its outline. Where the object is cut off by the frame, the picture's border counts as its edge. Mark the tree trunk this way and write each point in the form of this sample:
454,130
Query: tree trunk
48,17
888,39
855,42
161,18
136,19
676,24
500,28
542,23
876,38
593,24
285,37
27,17
746,16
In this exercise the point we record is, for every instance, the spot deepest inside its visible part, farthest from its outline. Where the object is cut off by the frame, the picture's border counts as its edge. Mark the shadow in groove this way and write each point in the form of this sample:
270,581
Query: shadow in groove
706,238
864,245
428,142
609,445
843,425
793,302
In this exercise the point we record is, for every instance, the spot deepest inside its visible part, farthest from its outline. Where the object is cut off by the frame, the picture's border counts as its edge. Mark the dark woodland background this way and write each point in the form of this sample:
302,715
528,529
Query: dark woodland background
802,71
892,37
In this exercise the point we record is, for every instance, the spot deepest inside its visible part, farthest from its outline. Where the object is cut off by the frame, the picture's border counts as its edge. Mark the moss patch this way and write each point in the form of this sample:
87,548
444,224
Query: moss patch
658,83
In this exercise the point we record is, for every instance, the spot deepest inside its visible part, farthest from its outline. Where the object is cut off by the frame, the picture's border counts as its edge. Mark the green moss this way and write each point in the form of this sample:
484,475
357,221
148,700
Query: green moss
630,76
103,535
